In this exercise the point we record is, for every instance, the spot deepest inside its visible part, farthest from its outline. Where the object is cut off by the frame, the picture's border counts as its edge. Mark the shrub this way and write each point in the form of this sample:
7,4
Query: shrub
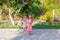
58,13
48,16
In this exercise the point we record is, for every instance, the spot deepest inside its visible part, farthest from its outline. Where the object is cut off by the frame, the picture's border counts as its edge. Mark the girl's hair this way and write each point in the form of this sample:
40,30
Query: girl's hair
30,16
24,17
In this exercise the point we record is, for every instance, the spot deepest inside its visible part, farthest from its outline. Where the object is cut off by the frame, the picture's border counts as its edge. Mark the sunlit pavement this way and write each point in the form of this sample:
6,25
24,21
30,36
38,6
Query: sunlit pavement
37,34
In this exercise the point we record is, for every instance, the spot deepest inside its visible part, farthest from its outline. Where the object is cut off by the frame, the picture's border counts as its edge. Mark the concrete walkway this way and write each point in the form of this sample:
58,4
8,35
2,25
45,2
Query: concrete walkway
37,34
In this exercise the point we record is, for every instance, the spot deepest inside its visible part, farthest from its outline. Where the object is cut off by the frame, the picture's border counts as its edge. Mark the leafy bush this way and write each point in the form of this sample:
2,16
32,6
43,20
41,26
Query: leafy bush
58,13
47,26
48,16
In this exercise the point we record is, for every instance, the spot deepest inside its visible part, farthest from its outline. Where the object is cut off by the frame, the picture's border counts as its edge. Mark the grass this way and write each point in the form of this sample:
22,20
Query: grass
9,25
36,26
47,26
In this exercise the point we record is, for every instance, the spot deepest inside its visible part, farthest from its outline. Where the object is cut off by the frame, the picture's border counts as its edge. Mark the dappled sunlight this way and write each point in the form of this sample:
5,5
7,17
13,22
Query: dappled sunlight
58,31
40,34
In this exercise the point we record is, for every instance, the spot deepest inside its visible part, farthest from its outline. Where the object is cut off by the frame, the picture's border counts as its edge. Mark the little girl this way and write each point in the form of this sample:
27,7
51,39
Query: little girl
29,25
24,23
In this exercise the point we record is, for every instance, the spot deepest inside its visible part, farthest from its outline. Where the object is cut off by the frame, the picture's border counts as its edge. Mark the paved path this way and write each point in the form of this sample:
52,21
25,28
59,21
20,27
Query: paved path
37,34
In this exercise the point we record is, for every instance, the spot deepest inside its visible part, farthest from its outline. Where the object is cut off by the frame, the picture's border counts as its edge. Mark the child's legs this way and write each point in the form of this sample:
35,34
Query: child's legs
24,28
29,32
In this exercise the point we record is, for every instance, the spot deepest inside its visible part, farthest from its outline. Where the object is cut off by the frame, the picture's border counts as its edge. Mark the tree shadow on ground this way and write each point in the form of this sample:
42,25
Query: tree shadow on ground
36,34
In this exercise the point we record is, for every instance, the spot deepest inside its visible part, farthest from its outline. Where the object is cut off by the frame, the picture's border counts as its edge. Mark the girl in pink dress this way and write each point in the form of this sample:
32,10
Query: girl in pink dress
29,25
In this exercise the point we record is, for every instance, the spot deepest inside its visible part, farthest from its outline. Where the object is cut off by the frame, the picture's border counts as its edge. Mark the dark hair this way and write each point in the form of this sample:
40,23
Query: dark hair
24,17
29,15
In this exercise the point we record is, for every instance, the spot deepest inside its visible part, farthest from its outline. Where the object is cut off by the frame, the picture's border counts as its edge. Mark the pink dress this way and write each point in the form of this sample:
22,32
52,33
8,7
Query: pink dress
29,25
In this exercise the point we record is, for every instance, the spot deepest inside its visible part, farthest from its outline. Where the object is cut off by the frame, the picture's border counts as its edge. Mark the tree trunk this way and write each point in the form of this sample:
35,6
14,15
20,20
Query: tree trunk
43,3
53,14
10,17
0,14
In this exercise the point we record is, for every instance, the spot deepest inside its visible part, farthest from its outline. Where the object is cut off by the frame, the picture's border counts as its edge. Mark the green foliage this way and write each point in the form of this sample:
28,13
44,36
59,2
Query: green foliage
9,25
52,4
33,7
48,16
47,26
36,26
57,13
4,10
